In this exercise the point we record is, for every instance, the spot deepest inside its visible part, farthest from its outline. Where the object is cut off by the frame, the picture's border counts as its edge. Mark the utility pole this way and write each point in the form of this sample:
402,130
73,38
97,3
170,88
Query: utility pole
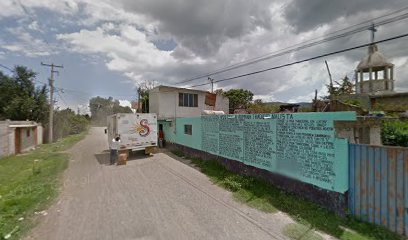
331,79
139,90
51,83
212,84
315,102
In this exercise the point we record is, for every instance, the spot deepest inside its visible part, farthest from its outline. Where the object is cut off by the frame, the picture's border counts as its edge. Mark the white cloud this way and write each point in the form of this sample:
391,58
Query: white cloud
208,35
128,50
125,103
12,9
34,26
26,44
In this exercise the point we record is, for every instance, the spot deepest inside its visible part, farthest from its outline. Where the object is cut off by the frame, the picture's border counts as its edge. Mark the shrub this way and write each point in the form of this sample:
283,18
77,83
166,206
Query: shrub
395,133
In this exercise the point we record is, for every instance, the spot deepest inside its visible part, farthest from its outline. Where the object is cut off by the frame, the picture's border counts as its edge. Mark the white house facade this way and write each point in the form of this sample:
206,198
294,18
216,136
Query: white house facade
170,102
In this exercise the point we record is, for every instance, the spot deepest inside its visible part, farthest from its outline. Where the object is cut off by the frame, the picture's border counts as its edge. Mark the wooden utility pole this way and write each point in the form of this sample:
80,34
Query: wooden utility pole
51,83
139,90
331,80
315,102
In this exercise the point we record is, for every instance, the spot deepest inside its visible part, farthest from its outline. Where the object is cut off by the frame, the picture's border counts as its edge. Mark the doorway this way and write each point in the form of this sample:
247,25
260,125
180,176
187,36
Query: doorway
17,141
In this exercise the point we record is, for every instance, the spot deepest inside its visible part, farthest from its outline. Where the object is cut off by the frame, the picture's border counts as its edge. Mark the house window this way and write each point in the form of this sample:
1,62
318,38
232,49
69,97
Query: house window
188,100
188,129
28,132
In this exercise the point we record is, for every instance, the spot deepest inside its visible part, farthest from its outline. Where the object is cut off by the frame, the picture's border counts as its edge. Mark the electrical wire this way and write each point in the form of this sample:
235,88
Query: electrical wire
5,67
304,60
62,99
32,18
307,44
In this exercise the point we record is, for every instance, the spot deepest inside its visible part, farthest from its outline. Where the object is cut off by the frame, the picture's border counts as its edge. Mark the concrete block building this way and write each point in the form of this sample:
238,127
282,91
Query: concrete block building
170,102
19,136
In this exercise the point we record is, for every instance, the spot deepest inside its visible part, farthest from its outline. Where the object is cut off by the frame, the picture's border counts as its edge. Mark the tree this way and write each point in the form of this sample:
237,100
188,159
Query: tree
143,91
258,106
67,122
344,87
20,99
238,99
102,107
219,91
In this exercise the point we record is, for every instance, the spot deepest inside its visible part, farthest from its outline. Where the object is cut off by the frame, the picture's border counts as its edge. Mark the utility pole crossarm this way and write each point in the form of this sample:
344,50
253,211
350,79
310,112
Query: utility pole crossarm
52,65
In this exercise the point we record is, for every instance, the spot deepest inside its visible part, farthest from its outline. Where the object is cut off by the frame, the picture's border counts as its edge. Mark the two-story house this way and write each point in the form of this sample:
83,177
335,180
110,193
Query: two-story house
170,103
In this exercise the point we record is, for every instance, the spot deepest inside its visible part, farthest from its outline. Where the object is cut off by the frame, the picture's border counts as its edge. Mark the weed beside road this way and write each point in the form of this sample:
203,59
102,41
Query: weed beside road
28,184
261,195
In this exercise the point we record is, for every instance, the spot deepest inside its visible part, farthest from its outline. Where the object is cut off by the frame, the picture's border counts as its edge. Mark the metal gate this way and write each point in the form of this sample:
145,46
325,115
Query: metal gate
379,185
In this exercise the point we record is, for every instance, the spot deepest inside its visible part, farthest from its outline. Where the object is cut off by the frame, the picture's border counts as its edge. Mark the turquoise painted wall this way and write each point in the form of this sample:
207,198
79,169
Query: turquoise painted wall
194,140
168,129
302,146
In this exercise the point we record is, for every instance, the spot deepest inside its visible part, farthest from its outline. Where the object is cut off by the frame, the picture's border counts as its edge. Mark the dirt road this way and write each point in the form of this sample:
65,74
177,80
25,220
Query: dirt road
154,197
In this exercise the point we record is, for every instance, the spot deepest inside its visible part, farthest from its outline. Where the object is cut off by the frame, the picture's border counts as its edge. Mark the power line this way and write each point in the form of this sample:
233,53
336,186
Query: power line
32,18
306,44
291,49
304,60
5,67
88,95
62,99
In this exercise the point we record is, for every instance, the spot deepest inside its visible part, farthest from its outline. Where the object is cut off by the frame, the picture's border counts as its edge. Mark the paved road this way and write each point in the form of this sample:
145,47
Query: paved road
154,197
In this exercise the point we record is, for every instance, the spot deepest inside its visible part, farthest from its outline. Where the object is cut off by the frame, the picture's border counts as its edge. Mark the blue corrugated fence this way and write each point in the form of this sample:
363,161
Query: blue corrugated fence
378,183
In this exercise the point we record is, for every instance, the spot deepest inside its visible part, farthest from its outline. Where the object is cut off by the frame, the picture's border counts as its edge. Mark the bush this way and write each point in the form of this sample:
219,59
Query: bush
395,133
67,122
353,102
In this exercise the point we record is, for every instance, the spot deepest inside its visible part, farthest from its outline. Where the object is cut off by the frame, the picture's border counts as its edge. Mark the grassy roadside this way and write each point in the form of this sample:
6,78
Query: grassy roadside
258,194
28,183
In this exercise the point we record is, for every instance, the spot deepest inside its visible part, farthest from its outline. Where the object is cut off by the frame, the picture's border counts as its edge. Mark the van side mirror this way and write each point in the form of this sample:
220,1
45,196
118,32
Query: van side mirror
106,131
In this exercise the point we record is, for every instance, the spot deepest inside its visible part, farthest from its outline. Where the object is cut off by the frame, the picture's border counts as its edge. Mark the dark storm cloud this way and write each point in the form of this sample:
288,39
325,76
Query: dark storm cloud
305,15
202,26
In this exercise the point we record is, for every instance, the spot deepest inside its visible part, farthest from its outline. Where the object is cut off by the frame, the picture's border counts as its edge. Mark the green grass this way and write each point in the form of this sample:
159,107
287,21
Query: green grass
298,231
261,195
28,186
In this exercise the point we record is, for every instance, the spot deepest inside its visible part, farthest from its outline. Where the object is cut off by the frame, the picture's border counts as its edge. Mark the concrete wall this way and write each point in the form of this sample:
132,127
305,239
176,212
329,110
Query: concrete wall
40,133
375,136
385,102
168,130
154,101
27,138
12,142
166,105
376,86
334,201
301,146
7,137
391,102
363,99
4,139
221,104
363,131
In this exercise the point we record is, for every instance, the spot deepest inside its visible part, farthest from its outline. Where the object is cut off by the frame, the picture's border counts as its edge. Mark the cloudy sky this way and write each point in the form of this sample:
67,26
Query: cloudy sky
108,47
